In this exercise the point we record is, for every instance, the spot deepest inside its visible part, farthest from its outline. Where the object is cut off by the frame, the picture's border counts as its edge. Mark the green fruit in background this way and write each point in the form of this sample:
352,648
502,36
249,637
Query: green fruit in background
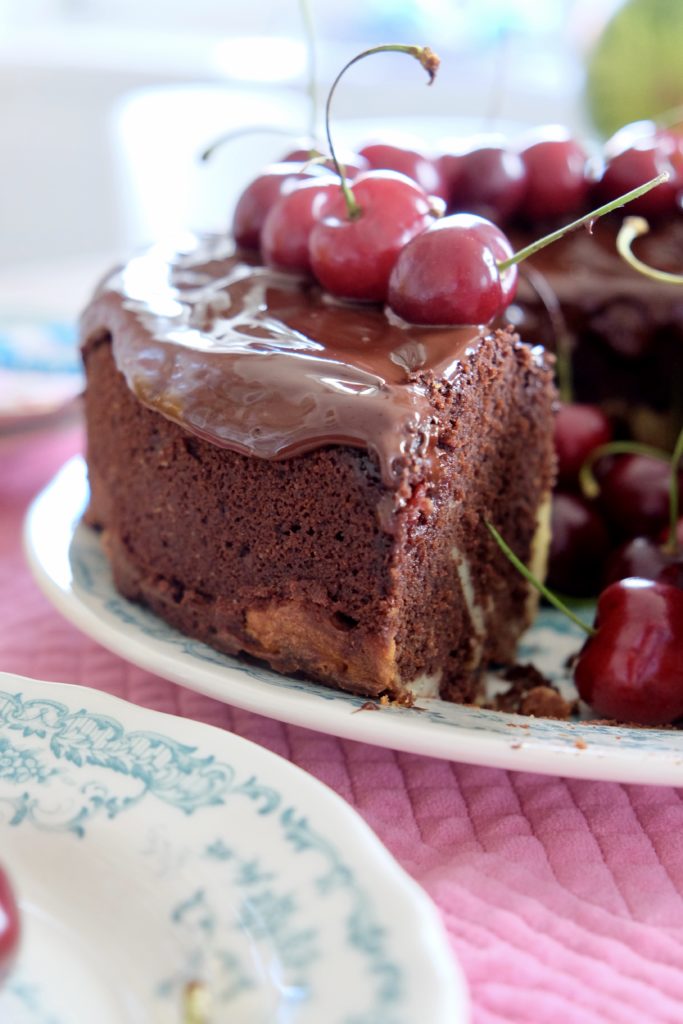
636,68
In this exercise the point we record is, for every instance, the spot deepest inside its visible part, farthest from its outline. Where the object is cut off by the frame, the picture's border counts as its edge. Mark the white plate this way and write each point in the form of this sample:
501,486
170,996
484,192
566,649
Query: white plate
68,563
151,852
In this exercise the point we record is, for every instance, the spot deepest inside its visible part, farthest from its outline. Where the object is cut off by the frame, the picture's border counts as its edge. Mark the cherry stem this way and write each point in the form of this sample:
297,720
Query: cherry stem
632,228
590,487
429,61
256,129
589,218
311,66
535,582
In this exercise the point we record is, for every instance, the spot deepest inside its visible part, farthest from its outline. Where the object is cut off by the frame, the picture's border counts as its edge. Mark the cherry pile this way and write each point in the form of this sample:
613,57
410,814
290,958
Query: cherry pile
623,539
376,231
623,529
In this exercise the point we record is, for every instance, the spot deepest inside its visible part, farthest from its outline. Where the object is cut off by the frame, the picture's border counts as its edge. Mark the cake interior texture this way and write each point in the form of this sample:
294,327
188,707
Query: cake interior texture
355,554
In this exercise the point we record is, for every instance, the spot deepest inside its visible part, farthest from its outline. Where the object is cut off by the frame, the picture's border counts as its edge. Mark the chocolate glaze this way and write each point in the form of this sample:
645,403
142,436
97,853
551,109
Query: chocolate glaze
585,272
265,364
623,331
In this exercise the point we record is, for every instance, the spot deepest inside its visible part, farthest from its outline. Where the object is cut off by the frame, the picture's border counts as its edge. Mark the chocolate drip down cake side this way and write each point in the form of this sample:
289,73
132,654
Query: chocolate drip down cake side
307,481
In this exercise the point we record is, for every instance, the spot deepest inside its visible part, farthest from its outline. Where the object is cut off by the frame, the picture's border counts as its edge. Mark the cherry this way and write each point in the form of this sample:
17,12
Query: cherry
383,156
579,429
634,495
353,256
580,543
644,557
449,274
354,247
556,174
626,137
500,246
258,197
678,534
458,273
10,928
490,181
288,225
631,669
636,153
449,167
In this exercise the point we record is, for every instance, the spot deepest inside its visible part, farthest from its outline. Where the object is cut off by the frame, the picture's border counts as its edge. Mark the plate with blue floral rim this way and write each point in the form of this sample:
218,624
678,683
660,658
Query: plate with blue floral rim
171,872
68,563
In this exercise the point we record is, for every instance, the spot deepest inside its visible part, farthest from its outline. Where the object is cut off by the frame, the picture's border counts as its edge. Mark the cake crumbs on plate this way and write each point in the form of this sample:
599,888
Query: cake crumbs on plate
531,693
405,700
196,1003
369,705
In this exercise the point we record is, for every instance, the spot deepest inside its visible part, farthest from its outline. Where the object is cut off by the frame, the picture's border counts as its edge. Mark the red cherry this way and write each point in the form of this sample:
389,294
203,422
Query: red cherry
632,668
490,182
354,258
635,154
664,535
426,172
258,197
449,274
634,495
449,168
500,246
644,557
579,546
556,174
579,429
288,225
9,927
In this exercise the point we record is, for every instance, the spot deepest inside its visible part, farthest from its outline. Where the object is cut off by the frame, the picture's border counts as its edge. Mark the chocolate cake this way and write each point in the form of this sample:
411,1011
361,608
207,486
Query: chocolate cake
624,330
307,481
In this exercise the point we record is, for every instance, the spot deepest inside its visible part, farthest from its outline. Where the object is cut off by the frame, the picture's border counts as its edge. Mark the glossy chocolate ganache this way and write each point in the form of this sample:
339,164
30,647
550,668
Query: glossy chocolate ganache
267,364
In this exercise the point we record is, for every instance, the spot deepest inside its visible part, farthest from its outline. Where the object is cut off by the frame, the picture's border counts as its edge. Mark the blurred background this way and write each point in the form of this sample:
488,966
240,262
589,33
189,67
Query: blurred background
105,104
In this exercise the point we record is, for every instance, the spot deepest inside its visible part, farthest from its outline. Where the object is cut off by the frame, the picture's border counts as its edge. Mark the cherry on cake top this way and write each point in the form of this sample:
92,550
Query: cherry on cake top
367,245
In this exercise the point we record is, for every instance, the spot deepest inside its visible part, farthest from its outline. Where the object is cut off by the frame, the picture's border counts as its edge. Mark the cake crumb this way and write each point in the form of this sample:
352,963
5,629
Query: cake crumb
530,693
369,705
580,744
545,702
196,1003
405,700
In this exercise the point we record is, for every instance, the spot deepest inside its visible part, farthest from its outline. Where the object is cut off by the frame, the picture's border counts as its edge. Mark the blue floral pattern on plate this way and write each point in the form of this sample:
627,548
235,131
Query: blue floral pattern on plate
68,562
45,347
266,889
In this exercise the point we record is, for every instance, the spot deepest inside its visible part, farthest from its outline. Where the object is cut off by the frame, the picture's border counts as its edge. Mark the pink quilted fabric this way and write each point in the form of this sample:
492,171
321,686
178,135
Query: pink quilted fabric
562,899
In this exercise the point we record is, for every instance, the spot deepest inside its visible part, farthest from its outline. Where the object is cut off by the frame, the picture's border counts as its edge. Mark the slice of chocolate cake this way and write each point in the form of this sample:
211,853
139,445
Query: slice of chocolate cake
307,481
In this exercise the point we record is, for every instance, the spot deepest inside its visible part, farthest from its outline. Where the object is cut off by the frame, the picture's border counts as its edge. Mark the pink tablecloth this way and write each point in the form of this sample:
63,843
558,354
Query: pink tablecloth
562,899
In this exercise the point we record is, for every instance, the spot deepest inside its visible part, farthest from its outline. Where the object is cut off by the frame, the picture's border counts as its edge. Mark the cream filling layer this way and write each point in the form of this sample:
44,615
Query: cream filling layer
540,549
474,609
425,686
